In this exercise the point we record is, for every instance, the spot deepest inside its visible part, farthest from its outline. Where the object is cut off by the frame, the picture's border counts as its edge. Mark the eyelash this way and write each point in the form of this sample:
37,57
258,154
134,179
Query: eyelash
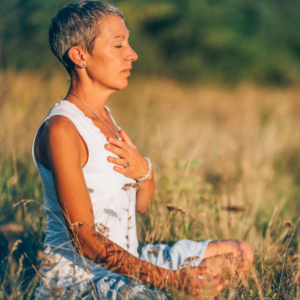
118,46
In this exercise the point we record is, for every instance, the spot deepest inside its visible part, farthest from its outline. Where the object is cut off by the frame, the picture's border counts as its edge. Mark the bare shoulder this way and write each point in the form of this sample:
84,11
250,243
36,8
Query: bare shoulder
59,127
58,135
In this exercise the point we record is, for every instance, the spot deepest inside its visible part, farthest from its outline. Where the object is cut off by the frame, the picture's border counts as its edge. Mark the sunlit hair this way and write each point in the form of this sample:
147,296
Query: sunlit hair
77,24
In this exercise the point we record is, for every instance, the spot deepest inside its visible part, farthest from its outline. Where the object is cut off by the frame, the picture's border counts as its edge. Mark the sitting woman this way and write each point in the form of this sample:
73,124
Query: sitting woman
90,170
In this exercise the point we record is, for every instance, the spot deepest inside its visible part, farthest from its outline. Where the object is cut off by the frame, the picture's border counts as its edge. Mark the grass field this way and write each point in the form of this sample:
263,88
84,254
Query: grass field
229,157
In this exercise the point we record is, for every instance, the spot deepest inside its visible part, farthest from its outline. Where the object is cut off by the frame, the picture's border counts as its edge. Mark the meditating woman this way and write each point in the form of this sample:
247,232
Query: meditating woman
90,170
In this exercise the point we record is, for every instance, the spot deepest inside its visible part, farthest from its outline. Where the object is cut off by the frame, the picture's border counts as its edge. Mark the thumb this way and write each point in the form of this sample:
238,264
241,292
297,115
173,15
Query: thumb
126,139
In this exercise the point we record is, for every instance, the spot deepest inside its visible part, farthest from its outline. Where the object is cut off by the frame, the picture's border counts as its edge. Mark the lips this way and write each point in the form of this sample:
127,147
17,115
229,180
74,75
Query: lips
127,69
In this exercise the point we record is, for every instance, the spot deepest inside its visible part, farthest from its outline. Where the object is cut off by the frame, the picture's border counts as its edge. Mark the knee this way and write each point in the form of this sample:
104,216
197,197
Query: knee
246,251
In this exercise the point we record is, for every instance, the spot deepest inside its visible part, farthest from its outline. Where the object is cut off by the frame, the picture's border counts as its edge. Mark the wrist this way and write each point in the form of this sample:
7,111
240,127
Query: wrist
172,281
165,279
149,174
150,178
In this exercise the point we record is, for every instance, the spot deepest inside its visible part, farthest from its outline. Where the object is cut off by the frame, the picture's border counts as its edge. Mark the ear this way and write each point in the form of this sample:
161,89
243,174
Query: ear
77,55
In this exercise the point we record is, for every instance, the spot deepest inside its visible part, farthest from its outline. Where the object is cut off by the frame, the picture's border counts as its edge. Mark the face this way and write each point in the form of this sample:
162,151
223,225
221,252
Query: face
112,57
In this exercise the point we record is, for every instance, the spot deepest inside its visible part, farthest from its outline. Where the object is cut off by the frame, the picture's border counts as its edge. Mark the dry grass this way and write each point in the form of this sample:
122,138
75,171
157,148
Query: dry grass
229,158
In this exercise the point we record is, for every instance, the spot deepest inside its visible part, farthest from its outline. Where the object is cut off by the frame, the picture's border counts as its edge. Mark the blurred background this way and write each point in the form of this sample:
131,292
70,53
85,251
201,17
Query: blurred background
213,100
217,41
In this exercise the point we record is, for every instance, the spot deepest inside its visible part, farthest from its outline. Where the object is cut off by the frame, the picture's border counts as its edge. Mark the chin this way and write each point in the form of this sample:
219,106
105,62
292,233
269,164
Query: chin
121,85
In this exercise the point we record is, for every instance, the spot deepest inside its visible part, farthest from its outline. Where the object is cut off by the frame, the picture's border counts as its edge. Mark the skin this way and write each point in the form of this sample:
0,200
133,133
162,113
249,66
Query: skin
62,150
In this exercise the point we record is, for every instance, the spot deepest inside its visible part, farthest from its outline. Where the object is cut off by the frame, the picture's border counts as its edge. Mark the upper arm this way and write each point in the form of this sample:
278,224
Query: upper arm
61,148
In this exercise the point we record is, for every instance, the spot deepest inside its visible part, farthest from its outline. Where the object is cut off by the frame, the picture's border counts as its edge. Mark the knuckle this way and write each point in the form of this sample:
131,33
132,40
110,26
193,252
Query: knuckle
220,288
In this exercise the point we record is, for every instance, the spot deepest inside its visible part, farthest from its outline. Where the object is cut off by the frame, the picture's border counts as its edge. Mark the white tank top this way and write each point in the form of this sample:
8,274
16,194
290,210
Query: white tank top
113,207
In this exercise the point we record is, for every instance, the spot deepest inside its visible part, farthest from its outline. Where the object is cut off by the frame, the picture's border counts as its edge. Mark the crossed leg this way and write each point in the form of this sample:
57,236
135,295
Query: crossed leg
229,257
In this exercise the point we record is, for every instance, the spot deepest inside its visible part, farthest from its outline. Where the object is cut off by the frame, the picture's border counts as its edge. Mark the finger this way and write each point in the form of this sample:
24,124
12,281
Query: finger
126,139
209,296
119,144
116,150
118,161
201,294
222,285
121,170
216,281
196,293
208,271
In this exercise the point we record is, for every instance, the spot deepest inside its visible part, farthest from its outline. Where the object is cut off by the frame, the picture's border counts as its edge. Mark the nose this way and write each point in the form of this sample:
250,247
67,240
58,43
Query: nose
131,56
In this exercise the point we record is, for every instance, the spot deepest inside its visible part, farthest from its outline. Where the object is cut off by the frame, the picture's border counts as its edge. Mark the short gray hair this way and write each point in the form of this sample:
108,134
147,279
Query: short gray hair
75,25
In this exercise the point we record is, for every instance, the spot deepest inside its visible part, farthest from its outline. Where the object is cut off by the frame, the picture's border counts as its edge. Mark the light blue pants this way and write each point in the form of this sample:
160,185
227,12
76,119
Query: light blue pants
115,287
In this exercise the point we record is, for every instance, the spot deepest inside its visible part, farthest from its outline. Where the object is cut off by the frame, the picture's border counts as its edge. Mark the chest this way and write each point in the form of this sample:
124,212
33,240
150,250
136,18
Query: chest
104,130
101,179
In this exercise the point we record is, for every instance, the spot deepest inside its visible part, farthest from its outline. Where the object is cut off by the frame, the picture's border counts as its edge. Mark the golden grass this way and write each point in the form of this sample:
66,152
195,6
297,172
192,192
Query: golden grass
226,157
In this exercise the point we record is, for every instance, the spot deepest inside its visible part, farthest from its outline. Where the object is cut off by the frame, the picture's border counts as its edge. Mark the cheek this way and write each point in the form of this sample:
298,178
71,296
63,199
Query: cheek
109,75
107,66
100,70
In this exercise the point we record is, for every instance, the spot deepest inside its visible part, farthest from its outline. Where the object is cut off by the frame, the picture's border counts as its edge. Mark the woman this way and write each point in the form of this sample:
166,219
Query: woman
90,169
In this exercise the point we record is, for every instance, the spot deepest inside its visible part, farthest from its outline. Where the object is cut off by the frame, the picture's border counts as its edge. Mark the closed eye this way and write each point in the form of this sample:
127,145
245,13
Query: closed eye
118,46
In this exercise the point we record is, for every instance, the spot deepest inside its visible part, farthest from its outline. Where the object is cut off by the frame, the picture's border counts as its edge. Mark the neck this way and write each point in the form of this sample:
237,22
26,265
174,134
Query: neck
93,94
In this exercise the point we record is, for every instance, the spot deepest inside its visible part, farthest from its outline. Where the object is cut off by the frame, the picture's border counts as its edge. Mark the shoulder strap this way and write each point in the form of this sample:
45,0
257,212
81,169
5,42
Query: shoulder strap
84,125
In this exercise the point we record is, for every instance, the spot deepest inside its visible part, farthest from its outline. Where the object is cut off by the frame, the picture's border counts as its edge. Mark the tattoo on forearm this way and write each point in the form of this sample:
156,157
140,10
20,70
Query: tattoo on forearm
118,260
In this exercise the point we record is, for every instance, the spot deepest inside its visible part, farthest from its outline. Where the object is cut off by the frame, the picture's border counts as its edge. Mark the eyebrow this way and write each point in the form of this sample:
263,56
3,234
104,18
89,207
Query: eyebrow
120,36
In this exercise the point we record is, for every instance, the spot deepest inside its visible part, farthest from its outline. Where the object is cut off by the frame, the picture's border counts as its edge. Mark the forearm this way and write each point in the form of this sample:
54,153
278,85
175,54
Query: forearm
112,257
145,193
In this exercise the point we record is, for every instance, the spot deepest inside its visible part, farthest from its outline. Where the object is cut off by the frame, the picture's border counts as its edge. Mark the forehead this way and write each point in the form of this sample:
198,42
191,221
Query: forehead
112,27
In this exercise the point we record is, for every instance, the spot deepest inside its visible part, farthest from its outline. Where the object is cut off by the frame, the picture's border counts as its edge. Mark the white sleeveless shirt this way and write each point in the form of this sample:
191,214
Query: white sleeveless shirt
113,207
